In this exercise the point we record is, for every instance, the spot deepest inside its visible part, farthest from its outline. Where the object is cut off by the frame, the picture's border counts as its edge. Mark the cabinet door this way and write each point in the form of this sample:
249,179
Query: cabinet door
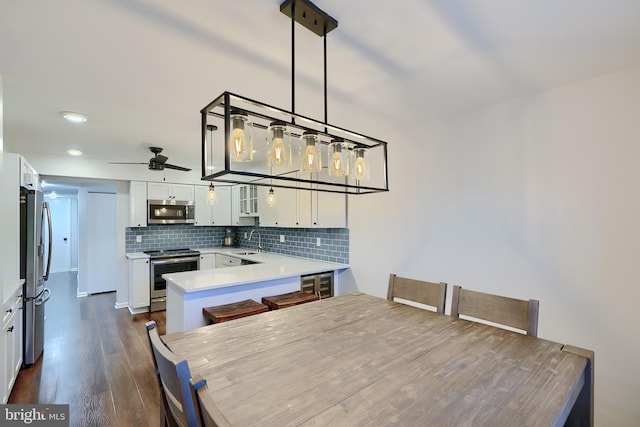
237,218
137,204
207,261
139,283
329,210
17,338
203,209
287,207
182,192
269,214
221,211
28,175
158,191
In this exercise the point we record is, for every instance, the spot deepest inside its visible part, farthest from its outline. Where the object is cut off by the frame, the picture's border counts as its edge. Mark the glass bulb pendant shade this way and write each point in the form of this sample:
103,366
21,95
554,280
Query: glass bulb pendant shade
338,158
361,166
208,151
241,137
271,197
212,196
310,160
279,145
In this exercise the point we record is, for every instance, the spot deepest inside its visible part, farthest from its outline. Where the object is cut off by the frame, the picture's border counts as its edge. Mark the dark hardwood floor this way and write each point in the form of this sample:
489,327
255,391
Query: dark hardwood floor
96,359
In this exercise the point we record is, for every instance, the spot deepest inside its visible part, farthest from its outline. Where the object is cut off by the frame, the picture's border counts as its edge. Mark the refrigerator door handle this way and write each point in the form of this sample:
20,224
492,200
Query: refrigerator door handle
45,206
46,294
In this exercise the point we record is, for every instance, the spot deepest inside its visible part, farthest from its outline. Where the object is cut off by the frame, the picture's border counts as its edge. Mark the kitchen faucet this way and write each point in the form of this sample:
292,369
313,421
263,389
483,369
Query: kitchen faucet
259,239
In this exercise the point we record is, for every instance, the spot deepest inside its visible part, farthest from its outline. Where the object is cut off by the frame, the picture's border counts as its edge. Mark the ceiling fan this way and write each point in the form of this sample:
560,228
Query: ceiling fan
157,163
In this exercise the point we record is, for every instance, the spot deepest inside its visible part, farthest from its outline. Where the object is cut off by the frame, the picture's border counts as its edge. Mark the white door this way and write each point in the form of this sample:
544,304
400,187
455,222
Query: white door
61,227
102,246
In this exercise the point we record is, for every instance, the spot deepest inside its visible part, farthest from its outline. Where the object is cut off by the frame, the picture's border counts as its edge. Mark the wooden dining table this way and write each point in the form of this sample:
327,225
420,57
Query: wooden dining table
359,360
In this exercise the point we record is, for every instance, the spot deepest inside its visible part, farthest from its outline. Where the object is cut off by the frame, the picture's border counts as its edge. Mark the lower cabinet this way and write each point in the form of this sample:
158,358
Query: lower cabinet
139,292
207,261
11,344
227,261
320,284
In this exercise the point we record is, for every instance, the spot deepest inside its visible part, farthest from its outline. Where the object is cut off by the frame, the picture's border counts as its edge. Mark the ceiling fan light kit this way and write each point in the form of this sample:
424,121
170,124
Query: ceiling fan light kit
265,145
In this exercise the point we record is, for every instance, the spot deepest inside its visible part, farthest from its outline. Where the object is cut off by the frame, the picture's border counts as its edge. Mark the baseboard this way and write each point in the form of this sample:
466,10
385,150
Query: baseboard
138,310
82,294
120,305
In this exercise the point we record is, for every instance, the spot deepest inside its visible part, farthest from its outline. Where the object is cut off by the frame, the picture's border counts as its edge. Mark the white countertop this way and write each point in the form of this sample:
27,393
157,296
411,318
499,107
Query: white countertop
272,266
136,255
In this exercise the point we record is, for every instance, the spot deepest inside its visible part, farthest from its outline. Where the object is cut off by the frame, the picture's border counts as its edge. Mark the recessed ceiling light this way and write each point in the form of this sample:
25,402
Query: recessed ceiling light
74,152
74,117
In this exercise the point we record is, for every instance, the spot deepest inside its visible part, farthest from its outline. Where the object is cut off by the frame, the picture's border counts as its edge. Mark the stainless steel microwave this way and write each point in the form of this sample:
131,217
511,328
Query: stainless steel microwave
170,212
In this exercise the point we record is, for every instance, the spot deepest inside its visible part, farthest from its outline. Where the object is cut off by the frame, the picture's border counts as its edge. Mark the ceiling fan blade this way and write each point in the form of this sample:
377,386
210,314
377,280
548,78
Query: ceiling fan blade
128,163
178,168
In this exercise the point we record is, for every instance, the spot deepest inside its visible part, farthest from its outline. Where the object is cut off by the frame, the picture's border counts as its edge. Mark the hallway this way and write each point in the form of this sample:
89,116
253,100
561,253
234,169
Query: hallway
96,359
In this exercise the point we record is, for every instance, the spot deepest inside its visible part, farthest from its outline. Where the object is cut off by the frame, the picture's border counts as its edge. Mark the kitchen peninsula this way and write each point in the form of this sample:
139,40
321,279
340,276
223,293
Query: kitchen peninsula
267,274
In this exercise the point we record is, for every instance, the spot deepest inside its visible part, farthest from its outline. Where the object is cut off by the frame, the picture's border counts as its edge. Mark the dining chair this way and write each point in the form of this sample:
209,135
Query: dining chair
210,414
175,381
427,293
166,419
515,313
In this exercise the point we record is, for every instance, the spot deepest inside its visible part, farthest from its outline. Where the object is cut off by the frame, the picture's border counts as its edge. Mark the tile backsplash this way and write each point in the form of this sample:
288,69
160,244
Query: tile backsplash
300,242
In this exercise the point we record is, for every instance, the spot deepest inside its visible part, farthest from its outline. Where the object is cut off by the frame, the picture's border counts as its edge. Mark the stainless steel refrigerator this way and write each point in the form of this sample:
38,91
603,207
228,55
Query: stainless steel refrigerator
35,234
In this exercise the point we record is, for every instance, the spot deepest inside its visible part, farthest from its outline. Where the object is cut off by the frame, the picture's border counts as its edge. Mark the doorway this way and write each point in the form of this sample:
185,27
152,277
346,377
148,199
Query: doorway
61,234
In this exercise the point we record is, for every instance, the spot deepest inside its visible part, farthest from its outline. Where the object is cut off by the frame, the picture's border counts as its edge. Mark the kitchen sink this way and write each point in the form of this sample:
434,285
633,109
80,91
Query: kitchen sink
246,253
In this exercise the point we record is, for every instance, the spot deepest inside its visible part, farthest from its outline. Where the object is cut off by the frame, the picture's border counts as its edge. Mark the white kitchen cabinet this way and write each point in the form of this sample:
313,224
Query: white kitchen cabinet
207,261
11,343
236,217
227,261
288,210
137,204
218,214
139,285
168,191
328,210
28,175
248,200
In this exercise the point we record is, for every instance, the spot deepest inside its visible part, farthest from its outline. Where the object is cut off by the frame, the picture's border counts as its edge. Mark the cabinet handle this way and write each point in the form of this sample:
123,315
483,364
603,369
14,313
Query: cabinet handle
147,261
10,329
10,310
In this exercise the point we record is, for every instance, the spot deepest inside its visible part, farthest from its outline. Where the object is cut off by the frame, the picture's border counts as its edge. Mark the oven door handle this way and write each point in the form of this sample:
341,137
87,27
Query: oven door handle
175,260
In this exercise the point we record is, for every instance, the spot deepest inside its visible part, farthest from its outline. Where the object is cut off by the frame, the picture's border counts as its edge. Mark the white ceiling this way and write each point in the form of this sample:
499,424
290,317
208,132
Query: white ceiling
142,70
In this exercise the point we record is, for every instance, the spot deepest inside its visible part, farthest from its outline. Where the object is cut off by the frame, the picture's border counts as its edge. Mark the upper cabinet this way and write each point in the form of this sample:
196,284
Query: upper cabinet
292,208
303,209
167,191
328,210
237,217
137,204
248,200
216,214
28,175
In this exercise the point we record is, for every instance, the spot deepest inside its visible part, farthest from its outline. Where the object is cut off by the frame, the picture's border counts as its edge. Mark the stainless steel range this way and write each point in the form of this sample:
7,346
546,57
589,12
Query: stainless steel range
168,261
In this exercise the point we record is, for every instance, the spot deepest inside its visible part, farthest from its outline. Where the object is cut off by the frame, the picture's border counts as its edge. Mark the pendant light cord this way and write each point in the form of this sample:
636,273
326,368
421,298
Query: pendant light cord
326,114
293,62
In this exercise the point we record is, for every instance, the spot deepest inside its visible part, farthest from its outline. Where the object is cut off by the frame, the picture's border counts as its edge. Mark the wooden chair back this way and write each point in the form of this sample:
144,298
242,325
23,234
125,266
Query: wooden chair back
427,293
515,313
209,412
175,380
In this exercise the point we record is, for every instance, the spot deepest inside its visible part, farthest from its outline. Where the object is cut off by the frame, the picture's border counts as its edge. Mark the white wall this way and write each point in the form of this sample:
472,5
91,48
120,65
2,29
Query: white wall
535,198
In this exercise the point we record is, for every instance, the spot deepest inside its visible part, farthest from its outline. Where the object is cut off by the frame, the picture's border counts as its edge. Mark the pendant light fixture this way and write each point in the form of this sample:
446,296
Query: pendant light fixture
338,158
271,197
311,160
269,146
241,137
212,196
280,145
